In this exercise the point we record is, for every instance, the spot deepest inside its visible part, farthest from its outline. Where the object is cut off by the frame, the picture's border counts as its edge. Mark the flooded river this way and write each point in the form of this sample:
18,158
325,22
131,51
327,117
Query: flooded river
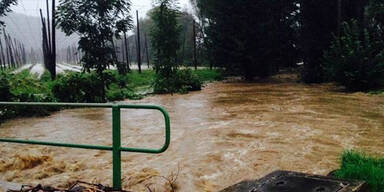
229,132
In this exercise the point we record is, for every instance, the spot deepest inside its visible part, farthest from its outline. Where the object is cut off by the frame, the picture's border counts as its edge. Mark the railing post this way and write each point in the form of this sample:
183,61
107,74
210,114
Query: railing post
116,134
116,147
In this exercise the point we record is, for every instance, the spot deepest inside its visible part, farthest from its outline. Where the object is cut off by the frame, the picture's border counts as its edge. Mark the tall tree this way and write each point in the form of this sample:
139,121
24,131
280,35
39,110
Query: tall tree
165,37
97,23
267,31
319,23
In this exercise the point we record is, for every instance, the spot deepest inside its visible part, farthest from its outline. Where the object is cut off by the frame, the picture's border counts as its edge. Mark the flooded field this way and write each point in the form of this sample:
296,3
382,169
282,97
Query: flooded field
229,132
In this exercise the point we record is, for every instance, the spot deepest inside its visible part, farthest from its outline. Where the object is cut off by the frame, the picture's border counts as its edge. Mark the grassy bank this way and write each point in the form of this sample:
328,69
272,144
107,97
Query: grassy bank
362,167
78,88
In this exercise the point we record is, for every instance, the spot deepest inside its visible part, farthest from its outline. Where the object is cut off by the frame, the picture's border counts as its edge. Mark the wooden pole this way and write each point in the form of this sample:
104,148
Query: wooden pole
46,50
146,50
17,53
78,54
194,45
53,54
11,51
2,55
1,58
49,26
138,42
6,49
127,52
122,52
24,54
185,28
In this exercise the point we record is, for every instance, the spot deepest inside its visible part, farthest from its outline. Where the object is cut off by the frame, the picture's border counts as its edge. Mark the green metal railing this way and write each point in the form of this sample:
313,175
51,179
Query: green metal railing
116,147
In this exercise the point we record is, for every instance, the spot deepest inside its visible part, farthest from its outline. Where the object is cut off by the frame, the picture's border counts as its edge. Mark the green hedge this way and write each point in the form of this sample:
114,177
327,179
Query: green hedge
180,82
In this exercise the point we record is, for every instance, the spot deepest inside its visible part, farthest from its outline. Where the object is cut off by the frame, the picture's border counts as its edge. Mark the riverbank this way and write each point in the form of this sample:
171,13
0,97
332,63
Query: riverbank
359,166
229,132
77,87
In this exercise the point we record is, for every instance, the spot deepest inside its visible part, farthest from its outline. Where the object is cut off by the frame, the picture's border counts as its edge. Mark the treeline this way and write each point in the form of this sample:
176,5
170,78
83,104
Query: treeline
12,52
185,21
188,37
337,40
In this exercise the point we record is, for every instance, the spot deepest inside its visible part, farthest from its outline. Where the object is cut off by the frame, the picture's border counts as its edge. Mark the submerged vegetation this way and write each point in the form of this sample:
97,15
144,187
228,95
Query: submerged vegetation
359,166
337,41
82,88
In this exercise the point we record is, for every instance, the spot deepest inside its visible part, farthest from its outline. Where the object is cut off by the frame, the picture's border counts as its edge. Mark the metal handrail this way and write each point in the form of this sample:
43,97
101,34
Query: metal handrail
116,147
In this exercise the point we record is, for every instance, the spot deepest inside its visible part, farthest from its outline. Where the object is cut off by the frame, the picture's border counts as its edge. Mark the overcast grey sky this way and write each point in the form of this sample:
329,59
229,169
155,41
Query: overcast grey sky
31,7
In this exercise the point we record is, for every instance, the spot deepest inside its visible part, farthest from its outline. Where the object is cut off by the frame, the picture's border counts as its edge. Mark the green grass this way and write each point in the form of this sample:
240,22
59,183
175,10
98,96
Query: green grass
207,75
142,83
359,166
376,92
136,80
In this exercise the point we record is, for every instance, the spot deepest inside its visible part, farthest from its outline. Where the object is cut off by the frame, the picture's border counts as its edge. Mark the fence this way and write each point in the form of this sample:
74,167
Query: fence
116,147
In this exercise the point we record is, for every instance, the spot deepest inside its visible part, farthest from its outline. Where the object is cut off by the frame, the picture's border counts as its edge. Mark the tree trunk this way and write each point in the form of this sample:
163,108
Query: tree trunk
138,42
146,50
194,45
2,55
53,54
127,52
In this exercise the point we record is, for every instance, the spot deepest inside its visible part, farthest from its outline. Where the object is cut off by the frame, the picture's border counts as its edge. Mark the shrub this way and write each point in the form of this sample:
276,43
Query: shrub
5,87
356,59
23,87
118,93
78,87
180,82
209,75
359,166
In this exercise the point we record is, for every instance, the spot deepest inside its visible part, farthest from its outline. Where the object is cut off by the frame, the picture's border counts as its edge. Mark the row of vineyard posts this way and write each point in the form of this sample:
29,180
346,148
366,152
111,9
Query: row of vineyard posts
12,52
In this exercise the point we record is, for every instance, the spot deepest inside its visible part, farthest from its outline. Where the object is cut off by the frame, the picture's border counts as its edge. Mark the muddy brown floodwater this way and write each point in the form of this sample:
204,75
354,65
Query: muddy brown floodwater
229,132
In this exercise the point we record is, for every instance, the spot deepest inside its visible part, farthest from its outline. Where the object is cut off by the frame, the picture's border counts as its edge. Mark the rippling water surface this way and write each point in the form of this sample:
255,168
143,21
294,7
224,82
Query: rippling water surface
229,132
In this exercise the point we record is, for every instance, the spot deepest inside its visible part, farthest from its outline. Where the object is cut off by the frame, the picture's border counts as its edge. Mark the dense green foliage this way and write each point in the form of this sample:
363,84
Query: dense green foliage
356,58
185,51
359,166
79,87
206,75
319,22
181,81
23,87
250,38
258,38
97,23
165,36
